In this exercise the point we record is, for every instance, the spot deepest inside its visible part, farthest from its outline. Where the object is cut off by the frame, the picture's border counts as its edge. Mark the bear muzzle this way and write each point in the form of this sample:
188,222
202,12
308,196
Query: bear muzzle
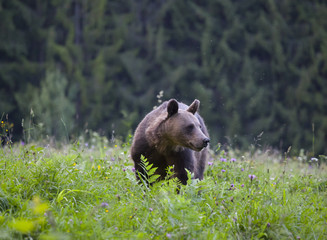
200,146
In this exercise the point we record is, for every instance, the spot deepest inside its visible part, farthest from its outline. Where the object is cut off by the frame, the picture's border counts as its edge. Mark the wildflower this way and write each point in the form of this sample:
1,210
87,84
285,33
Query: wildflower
168,235
151,209
74,164
86,144
107,210
242,169
124,169
117,196
223,170
104,204
99,167
233,160
232,185
133,169
115,145
210,163
112,159
268,224
223,159
242,185
22,143
314,159
252,177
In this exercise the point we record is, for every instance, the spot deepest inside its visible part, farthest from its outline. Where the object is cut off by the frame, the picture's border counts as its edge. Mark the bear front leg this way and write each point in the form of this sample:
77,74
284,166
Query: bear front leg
181,161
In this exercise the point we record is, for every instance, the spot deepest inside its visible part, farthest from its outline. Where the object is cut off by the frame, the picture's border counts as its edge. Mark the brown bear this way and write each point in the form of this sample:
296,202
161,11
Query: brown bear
173,134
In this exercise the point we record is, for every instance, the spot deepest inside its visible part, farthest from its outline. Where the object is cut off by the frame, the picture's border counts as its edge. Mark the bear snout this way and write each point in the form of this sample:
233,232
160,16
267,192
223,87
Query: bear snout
205,142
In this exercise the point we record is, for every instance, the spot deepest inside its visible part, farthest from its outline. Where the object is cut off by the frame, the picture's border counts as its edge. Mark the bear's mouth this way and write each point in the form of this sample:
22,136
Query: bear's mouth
195,148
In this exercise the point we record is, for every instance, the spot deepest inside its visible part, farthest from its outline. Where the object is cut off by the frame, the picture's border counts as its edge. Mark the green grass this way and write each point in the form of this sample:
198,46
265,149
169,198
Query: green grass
90,192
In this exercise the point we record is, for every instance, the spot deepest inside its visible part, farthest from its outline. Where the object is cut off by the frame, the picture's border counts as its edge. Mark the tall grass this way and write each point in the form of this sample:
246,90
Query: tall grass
88,190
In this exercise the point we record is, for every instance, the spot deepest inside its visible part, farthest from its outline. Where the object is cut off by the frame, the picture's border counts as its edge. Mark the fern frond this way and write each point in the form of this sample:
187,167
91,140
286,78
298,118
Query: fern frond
149,171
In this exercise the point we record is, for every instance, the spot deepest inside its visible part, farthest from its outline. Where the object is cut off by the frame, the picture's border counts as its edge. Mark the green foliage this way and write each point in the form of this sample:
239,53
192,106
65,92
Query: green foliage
89,191
148,177
6,130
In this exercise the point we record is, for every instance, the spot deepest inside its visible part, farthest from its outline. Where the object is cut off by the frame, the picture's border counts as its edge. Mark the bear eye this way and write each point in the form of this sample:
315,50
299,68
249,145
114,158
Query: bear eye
190,127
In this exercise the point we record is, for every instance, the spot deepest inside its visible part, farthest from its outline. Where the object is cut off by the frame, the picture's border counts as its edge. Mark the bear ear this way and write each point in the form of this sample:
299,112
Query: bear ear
172,107
194,106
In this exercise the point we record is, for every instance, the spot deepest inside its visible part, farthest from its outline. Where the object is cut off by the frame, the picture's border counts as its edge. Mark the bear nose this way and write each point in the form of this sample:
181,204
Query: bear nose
206,142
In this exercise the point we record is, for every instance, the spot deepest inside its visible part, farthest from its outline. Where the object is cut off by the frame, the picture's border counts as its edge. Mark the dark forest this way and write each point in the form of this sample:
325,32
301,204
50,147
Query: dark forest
258,67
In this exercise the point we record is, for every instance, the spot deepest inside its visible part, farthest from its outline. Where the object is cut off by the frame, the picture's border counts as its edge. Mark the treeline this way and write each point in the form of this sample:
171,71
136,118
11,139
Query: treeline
256,66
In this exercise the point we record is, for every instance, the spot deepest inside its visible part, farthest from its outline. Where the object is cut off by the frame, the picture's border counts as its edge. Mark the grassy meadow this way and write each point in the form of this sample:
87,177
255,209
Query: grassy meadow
88,190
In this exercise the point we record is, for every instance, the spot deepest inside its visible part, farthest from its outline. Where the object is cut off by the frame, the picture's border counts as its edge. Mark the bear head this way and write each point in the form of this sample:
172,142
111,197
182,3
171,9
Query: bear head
183,128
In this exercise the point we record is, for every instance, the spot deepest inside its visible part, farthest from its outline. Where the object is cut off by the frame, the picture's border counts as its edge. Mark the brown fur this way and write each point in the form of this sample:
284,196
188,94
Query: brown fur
172,135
